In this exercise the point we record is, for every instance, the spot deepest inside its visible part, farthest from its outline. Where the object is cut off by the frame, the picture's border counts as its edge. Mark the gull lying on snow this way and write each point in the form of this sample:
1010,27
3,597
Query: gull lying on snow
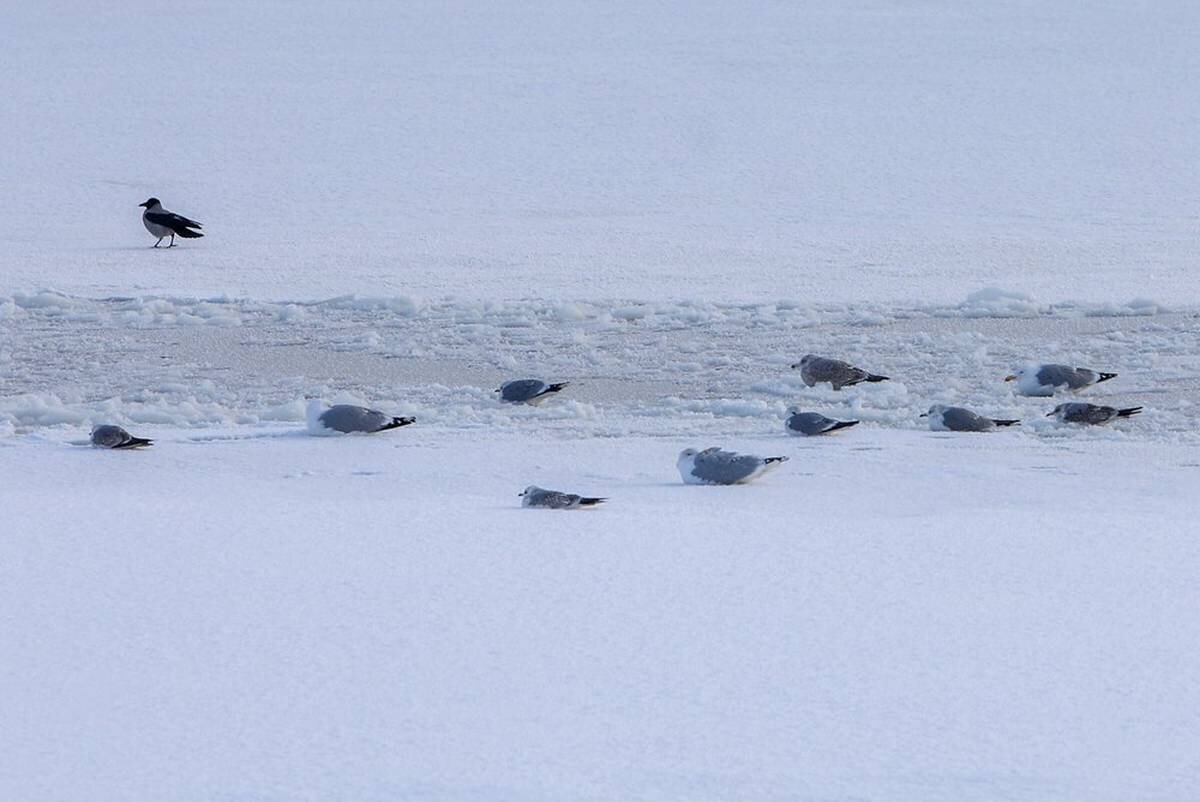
812,423
108,436
528,391
712,466
348,419
1042,380
534,496
161,223
960,419
817,369
1092,414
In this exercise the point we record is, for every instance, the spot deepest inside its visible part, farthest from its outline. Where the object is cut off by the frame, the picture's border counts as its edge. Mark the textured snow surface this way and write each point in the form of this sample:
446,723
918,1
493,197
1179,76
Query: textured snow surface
256,614
827,151
665,204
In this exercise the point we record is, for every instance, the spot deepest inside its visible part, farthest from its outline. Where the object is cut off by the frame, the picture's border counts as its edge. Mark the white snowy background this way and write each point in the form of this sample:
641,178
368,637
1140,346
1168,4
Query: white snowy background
666,204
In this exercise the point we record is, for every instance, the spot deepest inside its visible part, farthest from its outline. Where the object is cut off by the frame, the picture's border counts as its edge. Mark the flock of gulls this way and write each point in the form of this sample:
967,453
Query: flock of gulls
710,466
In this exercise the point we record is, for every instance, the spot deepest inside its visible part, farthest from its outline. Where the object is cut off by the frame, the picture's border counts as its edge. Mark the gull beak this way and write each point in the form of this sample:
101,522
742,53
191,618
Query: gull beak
1049,414
923,415
795,366
1010,378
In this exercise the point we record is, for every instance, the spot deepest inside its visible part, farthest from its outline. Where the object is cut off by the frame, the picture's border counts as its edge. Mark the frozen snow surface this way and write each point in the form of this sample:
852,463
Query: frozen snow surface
824,151
664,204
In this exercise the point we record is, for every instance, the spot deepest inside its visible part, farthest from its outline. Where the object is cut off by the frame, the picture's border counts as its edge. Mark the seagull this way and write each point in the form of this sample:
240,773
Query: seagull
712,466
1091,414
817,369
528,391
348,419
959,419
534,496
161,223
810,423
109,436
1043,380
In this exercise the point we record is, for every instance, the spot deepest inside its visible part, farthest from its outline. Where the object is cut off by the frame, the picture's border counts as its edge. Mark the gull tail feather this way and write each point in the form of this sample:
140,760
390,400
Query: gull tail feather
871,377
187,233
591,501
1127,412
397,423
1006,422
1105,377
135,442
842,424
773,460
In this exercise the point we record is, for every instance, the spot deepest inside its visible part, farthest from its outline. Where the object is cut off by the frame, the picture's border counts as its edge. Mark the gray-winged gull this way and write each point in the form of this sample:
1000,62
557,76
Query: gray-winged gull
534,496
109,436
349,419
528,391
816,369
812,423
959,419
1042,380
712,466
1091,414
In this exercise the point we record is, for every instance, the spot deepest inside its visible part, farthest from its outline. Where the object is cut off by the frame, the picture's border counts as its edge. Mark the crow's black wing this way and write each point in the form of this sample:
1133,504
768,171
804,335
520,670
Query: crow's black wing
175,222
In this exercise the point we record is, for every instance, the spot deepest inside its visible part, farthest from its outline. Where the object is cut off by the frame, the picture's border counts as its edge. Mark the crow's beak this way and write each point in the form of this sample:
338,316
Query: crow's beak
1010,378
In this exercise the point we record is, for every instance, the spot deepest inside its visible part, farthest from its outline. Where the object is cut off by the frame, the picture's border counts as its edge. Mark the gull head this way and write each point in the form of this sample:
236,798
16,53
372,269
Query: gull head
151,203
1057,411
804,360
935,411
1020,373
687,458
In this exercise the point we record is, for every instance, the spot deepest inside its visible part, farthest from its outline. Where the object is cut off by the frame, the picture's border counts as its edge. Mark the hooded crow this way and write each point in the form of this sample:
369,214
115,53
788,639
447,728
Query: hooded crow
161,223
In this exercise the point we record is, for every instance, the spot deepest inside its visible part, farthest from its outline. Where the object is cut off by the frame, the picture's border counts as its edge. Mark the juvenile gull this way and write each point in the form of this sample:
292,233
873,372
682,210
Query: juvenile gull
528,391
812,423
348,419
109,436
1042,380
712,466
817,369
534,496
1090,414
960,419
161,223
